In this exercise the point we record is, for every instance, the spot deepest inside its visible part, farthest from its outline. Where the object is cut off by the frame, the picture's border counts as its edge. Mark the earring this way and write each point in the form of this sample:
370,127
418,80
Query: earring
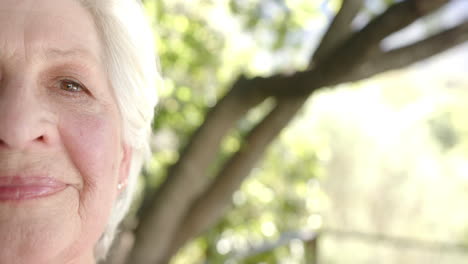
121,185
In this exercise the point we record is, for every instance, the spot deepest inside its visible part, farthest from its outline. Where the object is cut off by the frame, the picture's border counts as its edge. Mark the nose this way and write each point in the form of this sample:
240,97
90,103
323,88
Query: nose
23,121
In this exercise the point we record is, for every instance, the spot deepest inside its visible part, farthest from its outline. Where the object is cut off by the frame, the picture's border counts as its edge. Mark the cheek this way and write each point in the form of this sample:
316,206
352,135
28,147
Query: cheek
92,143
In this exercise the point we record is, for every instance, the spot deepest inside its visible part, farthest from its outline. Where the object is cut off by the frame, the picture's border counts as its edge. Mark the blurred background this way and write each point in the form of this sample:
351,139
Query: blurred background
294,169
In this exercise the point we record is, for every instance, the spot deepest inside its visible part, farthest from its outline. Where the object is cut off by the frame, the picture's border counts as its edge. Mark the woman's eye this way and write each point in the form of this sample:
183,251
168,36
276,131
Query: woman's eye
71,86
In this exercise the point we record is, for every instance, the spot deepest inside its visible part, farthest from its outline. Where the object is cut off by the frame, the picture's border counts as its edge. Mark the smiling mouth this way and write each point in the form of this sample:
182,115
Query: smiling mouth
27,188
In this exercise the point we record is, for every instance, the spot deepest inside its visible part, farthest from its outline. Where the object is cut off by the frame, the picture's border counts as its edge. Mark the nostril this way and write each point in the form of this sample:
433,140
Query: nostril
41,139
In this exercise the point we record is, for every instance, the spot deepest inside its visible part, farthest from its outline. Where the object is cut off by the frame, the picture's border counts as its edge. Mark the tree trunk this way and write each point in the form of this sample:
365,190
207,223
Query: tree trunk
189,201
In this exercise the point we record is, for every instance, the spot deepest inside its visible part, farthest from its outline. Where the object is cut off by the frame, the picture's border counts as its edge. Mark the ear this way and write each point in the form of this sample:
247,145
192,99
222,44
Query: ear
124,168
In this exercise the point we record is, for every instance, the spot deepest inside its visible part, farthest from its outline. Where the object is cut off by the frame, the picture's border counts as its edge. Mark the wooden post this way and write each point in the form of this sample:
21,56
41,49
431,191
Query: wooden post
312,250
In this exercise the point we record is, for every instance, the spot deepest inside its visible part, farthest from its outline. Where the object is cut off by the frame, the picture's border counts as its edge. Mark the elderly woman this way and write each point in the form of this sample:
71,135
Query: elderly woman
77,92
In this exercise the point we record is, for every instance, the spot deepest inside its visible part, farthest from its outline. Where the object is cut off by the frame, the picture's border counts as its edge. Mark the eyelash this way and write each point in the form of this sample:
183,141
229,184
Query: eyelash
72,86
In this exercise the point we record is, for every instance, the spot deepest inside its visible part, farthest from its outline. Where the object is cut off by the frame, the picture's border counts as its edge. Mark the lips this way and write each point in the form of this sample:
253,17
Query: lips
27,188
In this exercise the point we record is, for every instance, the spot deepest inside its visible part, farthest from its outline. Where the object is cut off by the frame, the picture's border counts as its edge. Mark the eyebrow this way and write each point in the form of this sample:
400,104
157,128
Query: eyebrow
77,52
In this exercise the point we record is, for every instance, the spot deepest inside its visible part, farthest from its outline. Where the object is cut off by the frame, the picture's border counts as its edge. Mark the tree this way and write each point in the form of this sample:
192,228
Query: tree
198,187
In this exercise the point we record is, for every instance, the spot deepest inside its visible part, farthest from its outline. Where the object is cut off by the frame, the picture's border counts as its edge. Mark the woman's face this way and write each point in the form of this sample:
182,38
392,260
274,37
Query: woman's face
61,151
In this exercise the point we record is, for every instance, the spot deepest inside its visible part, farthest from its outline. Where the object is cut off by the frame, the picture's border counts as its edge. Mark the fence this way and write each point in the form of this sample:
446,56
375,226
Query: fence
311,241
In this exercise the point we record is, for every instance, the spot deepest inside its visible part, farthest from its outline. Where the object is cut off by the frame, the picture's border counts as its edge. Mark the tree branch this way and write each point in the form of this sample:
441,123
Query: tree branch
160,220
174,213
339,30
357,50
359,47
212,204
400,57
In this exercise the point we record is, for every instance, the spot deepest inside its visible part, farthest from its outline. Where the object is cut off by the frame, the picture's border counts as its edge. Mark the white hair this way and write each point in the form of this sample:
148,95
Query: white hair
133,74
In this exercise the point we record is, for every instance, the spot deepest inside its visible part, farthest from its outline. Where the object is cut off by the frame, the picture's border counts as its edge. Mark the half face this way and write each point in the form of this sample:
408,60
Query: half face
61,151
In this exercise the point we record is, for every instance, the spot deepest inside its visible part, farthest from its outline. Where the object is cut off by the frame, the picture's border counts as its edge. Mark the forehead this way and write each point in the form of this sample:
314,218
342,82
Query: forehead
47,27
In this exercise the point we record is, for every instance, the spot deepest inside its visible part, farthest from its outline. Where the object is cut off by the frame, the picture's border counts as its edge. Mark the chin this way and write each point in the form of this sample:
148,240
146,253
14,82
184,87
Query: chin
45,231
41,244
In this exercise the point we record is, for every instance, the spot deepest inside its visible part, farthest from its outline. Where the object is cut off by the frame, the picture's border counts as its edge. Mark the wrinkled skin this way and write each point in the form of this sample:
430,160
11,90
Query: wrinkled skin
58,121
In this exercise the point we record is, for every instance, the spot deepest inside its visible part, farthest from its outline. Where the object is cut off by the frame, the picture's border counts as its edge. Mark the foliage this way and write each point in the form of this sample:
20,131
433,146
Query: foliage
198,57
203,46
